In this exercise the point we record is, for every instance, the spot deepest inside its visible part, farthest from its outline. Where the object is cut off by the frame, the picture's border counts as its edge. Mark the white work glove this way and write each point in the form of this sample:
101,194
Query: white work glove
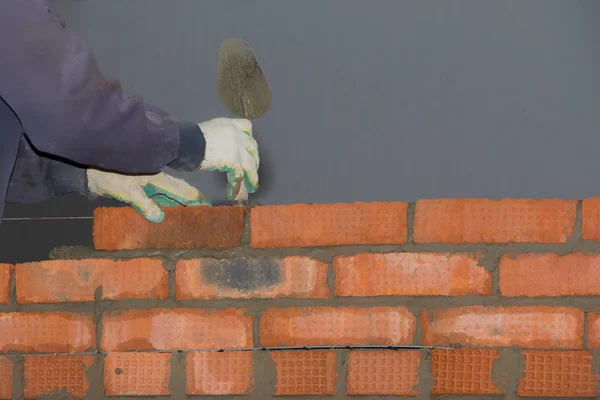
140,190
231,148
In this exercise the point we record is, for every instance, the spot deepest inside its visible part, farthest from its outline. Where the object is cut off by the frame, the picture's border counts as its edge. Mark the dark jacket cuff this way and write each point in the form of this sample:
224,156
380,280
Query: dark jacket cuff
192,146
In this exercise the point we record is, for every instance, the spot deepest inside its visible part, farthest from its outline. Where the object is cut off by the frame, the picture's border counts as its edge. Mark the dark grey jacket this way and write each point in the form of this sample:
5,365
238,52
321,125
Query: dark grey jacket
59,114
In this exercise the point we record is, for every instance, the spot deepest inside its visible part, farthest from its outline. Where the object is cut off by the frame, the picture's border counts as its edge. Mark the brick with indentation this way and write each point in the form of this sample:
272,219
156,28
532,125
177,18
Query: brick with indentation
304,225
464,371
123,228
305,372
265,277
227,373
594,330
309,326
6,373
137,374
5,271
59,281
494,221
45,375
176,329
526,326
590,215
558,374
383,373
410,274
56,332
538,275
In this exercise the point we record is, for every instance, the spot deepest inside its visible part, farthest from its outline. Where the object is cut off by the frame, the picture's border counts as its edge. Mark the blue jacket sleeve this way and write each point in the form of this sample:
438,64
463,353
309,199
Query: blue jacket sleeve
66,106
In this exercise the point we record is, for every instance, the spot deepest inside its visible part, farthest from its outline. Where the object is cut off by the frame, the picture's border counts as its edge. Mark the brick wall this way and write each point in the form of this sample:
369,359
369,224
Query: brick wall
506,294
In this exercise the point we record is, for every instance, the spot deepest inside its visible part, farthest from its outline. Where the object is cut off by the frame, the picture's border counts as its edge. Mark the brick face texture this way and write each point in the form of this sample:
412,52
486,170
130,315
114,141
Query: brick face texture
491,291
124,228
303,225
52,374
489,221
209,278
77,280
304,373
383,372
314,326
410,274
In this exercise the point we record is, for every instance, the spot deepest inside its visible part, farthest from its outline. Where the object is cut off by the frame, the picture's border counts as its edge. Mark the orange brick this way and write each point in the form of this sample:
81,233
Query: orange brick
305,372
463,371
123,228
590,215
594,330
539,275
558,374
410,274
5,270
176,329
304,225
137,374
76,280
494,221
527,326
57,332
314,326
242,278
46,375
227,373
384,373
6,373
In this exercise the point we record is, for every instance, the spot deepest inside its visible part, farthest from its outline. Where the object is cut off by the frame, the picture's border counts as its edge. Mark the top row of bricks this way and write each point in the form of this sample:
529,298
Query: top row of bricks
455,221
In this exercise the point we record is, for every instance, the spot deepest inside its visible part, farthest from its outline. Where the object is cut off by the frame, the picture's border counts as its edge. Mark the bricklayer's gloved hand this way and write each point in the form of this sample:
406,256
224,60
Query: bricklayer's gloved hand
145,192
231,148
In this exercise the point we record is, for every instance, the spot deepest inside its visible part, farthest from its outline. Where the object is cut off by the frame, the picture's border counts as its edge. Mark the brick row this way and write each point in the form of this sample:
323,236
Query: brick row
360,275
546,373
534,327
312,225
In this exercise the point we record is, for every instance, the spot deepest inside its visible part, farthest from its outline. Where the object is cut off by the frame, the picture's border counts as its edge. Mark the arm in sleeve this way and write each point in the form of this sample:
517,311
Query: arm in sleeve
69,110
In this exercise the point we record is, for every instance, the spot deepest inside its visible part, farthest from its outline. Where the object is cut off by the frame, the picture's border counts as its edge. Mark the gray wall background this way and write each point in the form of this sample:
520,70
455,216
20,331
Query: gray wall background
372,100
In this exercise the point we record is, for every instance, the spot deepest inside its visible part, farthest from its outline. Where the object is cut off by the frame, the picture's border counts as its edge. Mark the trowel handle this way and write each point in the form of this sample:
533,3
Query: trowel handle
242,197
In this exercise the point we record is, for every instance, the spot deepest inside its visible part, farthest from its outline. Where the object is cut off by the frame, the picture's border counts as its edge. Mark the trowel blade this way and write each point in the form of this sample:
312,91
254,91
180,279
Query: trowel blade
242,85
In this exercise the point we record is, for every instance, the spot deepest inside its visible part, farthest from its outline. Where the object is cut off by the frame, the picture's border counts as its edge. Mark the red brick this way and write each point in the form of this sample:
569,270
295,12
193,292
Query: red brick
527,326
76,280
494,221
383,373
463,371
6,373
244,278
228,373
44,375
123,228
5,271
314,326
137,374
590,215
176,329
594,330
410,274
539,275
558,374
56,332
304,225
305,372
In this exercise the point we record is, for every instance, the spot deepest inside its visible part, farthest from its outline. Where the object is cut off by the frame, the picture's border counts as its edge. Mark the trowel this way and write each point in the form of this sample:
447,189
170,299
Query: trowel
242,88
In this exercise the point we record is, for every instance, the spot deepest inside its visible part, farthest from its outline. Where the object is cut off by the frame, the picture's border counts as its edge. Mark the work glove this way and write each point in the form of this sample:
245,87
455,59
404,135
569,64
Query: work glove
145,193
231,148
